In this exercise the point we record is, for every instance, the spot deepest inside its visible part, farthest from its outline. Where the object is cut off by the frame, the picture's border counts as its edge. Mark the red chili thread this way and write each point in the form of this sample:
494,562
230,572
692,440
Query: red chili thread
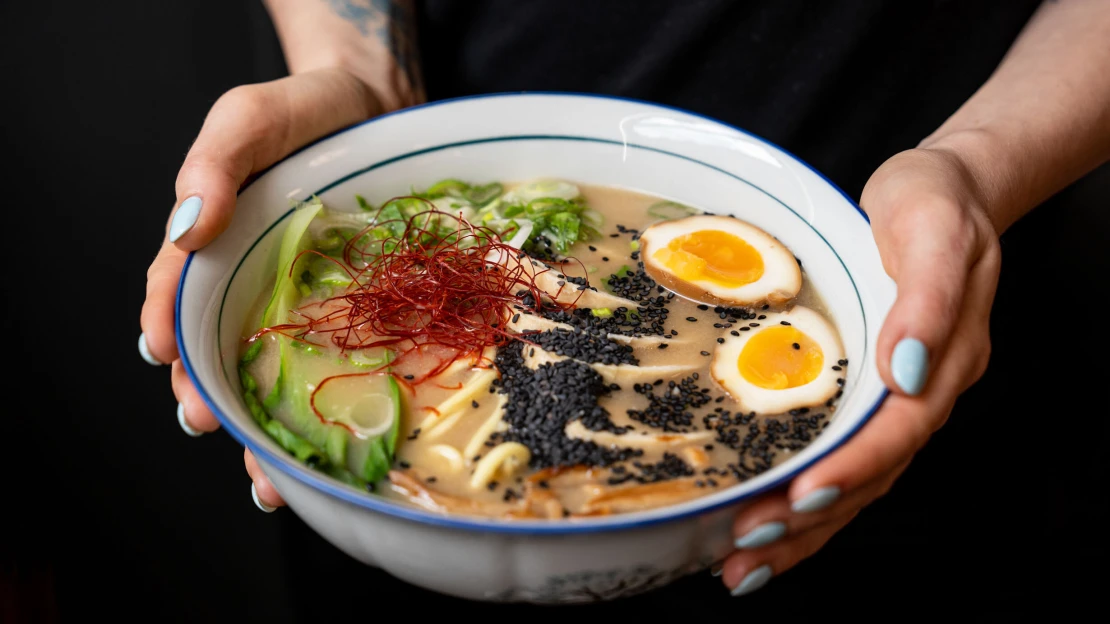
444,296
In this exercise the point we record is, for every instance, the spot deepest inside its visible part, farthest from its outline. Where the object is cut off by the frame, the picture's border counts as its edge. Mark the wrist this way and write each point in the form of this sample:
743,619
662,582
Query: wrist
382,83
315,37
986,170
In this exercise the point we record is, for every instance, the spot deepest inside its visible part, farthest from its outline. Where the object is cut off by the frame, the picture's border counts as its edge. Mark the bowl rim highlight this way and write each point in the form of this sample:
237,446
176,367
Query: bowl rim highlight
377,503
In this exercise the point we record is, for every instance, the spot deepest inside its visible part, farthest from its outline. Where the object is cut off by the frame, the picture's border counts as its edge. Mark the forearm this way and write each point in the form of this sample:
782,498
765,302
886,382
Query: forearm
1043,119
376,45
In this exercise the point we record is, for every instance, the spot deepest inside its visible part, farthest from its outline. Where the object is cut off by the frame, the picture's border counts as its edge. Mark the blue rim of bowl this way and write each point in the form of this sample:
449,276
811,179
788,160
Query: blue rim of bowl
547,527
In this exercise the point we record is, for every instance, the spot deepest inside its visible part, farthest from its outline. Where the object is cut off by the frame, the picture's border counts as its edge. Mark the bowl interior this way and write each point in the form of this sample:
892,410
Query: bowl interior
617,143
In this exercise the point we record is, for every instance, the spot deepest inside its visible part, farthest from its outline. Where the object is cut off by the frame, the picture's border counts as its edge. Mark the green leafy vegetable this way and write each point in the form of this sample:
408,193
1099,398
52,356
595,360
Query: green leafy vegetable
288,280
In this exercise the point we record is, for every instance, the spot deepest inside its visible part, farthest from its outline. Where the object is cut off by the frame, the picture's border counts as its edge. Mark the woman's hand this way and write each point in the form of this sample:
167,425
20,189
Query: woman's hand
938,243
248,129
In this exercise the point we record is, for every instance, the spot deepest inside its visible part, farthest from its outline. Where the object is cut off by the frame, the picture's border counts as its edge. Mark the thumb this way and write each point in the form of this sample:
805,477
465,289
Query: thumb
250,128
927,248
247,130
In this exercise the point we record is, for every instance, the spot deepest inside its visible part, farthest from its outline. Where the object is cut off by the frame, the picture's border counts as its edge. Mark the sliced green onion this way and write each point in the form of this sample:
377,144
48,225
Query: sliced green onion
482,195
369,358
450,186
670,210
601,312
593,218
635,245
557,189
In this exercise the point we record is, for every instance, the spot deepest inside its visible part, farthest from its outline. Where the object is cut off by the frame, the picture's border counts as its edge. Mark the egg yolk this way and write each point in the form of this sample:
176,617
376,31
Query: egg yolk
780,357
712,256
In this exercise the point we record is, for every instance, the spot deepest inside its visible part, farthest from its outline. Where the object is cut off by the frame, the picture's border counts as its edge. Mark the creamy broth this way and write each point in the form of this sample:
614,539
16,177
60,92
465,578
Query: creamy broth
626,419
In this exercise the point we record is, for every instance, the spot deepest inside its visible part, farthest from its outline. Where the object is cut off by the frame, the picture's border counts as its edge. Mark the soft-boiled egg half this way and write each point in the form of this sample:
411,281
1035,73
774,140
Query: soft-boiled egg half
720,260
787,361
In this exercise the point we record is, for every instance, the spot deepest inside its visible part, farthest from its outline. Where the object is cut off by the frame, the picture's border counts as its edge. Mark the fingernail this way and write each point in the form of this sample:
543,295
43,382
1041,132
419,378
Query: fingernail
761,535
909,365
816,500
185,218
260,504
184,425
145,352
716,569
754,580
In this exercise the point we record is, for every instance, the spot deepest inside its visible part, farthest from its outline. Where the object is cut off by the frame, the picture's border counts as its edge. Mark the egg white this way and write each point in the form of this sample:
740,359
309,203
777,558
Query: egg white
780,282
751,397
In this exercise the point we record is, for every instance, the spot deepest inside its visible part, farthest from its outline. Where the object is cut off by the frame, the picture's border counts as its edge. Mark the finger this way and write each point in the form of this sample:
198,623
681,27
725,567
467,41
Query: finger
263,492
745,571
192,413
934,249
771,518
158,308
904,424
250,128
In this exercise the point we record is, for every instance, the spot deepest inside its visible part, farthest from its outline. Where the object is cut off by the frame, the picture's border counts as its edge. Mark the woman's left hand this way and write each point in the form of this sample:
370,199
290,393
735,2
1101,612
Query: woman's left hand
941,248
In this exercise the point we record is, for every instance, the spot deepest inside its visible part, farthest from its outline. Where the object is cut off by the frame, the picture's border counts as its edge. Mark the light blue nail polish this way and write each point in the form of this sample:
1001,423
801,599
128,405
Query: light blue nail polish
816,500
761,535
144,351
184,425
754,580
909,365
258,503
185,218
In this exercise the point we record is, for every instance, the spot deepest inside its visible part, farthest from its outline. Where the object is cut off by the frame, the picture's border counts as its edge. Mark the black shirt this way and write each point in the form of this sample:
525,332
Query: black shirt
844,85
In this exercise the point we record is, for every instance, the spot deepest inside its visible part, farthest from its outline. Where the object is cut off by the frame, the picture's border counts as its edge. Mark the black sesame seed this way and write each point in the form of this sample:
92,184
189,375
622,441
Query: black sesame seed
516,318
692,319
734,333
836,367
409,377
592,248
664,345
842,362
474,404
705,353
703,307
784,323
404,464
796,346
721,341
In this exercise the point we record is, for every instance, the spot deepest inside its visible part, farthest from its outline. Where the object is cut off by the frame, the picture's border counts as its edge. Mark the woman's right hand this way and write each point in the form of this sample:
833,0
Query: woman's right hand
248,129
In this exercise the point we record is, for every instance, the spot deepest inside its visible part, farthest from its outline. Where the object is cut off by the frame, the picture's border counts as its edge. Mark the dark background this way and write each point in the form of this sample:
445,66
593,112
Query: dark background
111,510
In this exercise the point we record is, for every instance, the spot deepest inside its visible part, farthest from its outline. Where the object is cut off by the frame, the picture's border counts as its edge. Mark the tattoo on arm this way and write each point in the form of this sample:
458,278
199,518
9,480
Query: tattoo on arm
391,22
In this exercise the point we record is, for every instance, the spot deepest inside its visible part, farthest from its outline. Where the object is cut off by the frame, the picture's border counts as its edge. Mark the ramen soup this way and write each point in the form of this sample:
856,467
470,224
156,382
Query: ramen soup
538,350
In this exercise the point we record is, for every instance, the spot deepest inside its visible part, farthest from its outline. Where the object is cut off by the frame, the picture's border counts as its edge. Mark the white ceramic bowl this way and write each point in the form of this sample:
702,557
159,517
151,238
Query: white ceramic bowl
594,140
